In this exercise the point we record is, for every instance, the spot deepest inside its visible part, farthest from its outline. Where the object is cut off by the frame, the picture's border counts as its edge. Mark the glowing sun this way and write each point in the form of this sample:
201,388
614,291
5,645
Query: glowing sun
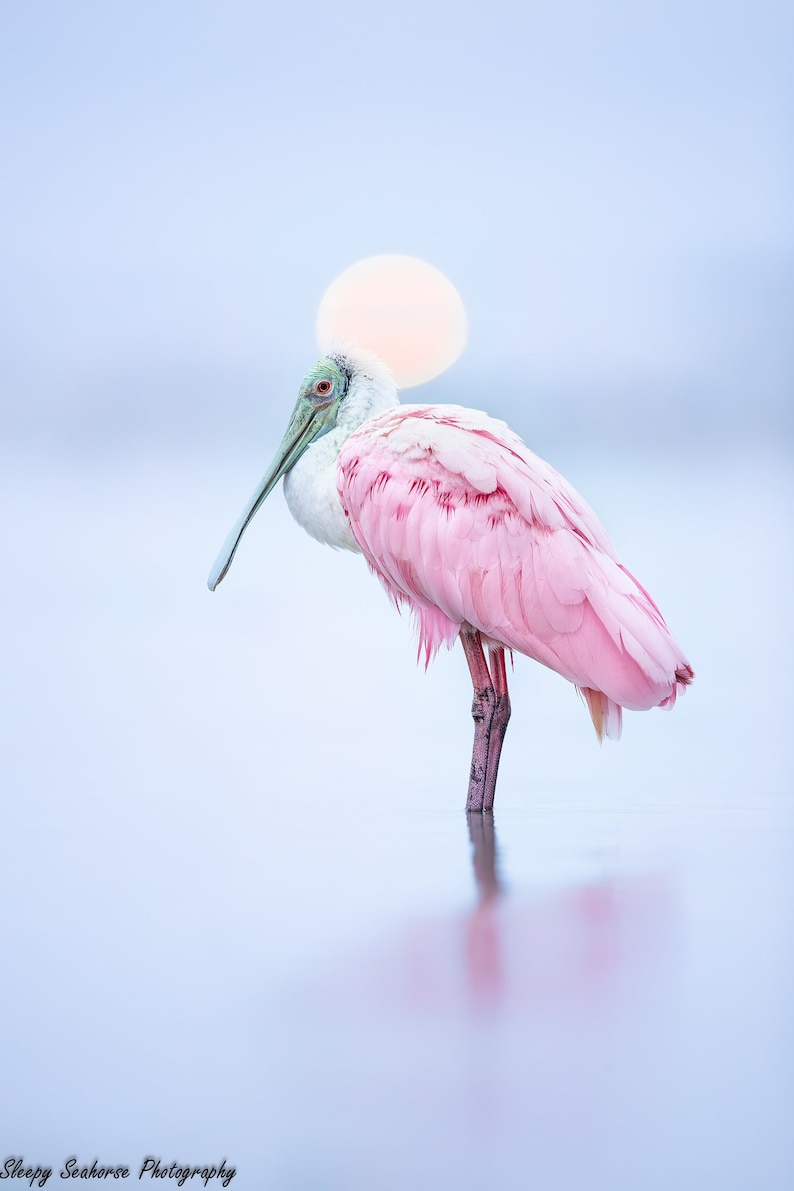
399,307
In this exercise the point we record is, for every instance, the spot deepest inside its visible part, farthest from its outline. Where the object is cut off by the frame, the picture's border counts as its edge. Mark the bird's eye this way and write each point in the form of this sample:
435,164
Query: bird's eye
323,388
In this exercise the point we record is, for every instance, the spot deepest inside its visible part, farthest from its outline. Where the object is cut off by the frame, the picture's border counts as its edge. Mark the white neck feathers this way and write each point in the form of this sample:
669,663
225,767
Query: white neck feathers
310,487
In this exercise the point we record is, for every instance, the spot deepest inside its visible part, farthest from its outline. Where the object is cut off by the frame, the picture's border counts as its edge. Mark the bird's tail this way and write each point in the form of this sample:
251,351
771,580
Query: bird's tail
607,716
683,677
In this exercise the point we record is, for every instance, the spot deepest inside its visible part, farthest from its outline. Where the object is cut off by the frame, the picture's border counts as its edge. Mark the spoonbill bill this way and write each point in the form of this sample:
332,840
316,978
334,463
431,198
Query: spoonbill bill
479,538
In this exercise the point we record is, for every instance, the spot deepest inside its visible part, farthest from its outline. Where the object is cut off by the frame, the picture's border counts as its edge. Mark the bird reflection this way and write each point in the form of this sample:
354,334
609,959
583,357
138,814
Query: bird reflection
483,945
510,1013
482,834
566,948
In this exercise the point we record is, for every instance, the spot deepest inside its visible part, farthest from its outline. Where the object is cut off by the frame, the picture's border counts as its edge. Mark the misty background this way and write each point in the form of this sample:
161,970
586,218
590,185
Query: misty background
239,915
609,187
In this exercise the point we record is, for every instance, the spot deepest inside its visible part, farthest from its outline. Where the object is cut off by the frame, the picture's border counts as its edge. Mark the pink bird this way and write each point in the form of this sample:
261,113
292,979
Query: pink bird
479,538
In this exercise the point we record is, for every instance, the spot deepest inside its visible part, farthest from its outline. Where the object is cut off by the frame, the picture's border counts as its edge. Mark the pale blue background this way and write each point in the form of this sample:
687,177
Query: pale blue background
238,916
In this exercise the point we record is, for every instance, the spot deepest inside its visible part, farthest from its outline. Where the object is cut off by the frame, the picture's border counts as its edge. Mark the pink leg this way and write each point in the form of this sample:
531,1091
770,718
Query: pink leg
501,718
490,710
482,710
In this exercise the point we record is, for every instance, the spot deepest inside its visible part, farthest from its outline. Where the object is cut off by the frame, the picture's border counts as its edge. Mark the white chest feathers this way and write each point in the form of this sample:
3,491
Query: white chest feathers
312,498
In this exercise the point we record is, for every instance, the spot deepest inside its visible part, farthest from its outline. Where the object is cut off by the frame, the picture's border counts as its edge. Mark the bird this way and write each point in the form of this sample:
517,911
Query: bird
479,538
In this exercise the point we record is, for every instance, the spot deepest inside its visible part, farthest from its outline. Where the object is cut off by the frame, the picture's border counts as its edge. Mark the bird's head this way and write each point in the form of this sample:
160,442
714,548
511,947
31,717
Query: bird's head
322,390
343,388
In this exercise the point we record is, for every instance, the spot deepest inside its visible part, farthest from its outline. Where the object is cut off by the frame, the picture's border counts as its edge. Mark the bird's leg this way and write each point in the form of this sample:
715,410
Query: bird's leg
482,710
499,722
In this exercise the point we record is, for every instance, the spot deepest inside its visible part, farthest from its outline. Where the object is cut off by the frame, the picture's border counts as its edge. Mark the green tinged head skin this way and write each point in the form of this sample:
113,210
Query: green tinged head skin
324,383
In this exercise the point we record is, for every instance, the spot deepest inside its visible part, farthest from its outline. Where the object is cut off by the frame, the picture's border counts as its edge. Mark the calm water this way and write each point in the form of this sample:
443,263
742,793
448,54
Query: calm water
245,916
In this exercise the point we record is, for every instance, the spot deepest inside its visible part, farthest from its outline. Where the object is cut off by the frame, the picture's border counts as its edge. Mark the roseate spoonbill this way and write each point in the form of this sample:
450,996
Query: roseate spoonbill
479,537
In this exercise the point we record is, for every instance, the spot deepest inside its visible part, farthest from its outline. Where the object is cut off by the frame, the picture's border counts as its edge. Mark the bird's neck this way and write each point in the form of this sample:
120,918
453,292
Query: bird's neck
372,390
310,486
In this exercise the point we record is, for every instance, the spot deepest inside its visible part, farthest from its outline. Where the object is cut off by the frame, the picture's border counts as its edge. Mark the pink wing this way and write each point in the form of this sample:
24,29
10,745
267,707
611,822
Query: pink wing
461,522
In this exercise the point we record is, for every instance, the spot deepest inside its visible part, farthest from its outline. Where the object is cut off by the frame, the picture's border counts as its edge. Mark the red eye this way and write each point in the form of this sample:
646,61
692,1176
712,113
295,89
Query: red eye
322,387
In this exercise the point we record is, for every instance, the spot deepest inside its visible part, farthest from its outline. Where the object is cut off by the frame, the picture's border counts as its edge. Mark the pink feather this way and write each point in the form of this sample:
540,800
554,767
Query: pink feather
466,526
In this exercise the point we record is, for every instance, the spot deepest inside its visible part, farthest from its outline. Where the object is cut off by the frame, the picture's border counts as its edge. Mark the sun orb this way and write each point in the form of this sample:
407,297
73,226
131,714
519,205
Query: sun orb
401,308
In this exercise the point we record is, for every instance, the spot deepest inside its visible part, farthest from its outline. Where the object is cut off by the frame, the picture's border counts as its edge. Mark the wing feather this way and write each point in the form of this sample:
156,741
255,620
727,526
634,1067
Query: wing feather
461,521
